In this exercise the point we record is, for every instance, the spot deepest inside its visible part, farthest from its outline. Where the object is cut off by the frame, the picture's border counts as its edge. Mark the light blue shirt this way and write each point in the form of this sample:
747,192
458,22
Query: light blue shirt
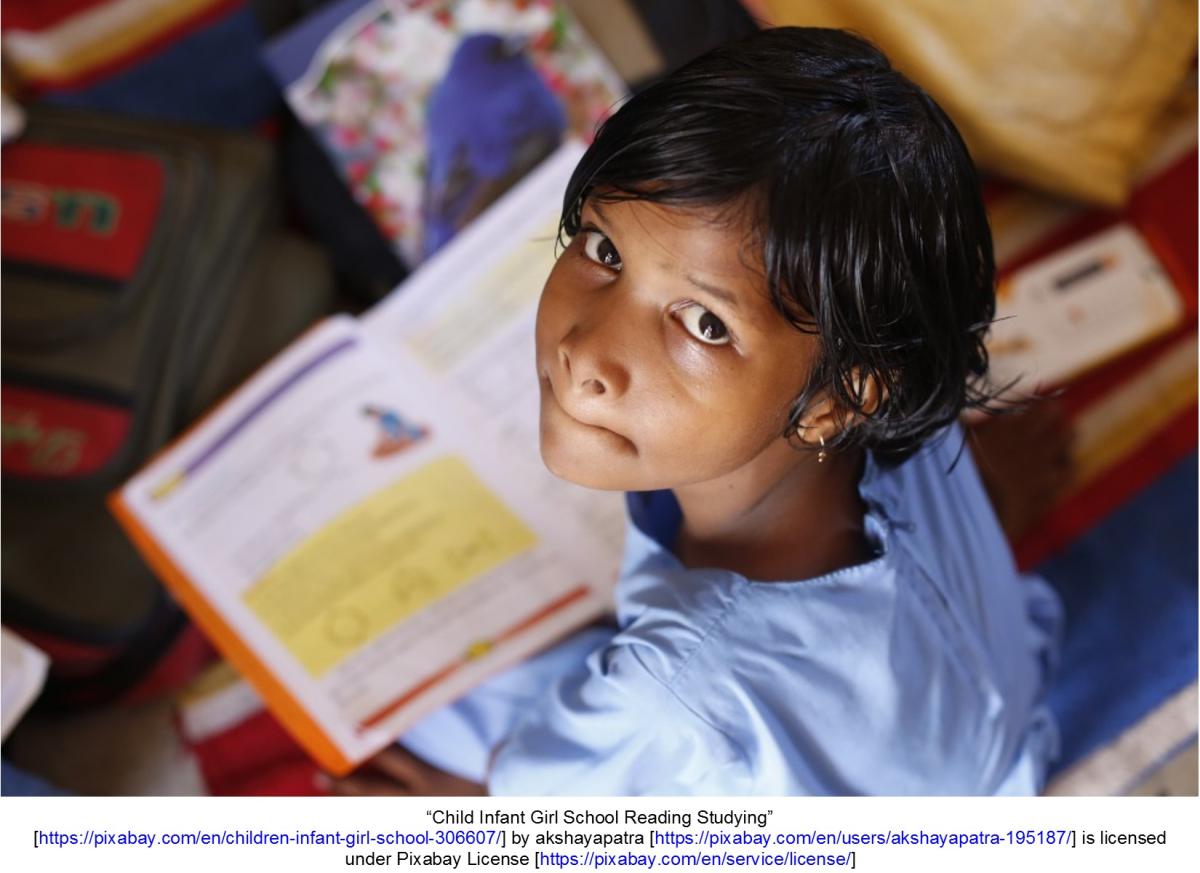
918,672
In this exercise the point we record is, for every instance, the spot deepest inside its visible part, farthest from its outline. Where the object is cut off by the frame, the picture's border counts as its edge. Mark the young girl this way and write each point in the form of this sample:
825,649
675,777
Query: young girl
768,319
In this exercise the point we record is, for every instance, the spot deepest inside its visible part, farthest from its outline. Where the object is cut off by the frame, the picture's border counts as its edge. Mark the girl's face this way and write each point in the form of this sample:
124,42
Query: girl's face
661,358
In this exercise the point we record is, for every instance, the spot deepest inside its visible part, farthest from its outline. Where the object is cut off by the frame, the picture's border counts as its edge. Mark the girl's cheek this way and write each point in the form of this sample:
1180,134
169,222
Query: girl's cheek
575,277
561,295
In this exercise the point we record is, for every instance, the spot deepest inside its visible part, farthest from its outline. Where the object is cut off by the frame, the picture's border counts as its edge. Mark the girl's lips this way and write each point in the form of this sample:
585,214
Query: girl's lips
549,392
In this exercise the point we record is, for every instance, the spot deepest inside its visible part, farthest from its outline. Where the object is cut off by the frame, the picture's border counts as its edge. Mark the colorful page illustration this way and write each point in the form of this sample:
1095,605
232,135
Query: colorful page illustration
431,109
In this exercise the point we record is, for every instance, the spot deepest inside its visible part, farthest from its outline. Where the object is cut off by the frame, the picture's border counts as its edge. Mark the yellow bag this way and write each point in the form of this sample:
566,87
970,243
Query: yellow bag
1060,94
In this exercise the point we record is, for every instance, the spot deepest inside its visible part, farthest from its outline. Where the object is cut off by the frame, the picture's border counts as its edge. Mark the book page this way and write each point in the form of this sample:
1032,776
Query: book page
361,538
467,316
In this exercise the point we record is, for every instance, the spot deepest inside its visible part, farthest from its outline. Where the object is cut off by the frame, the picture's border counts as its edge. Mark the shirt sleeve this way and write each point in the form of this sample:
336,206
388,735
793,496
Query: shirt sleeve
613,728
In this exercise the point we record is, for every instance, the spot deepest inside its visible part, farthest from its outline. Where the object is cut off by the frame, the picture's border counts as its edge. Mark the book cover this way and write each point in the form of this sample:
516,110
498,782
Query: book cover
430,109
1079,308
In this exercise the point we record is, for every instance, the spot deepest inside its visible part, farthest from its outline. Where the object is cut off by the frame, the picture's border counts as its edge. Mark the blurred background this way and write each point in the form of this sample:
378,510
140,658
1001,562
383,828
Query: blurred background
189,184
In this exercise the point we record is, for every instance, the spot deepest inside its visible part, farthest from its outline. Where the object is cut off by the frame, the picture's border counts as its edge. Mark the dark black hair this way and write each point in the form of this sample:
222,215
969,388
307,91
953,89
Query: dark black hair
869,217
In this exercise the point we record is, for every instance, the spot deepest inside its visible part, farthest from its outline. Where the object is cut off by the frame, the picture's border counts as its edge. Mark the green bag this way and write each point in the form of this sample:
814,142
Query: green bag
145,275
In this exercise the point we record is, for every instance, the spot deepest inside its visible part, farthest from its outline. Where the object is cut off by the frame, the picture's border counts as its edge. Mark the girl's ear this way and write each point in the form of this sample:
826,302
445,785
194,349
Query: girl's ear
826,417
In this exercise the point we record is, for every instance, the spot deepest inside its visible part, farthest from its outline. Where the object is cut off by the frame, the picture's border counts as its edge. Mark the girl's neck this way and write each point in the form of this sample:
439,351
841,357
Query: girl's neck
782,517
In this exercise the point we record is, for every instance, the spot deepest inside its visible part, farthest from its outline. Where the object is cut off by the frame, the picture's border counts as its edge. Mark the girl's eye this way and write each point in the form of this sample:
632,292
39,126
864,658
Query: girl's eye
600,249
703,325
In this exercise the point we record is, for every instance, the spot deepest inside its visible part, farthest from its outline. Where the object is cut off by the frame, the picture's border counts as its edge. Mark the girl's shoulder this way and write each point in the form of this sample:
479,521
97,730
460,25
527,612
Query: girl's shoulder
689,625
940,561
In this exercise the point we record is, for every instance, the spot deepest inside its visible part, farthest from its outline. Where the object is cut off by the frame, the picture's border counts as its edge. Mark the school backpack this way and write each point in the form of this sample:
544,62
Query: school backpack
145,274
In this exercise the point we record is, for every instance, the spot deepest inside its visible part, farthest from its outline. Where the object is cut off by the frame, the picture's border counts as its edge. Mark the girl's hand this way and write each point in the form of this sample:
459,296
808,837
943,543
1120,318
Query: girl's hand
395,771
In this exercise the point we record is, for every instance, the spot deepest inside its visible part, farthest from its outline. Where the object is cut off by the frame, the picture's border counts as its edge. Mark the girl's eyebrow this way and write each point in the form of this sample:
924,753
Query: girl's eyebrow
595,207
728,297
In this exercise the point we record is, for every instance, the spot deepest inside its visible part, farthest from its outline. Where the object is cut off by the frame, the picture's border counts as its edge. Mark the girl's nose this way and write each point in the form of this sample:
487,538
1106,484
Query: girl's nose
591,358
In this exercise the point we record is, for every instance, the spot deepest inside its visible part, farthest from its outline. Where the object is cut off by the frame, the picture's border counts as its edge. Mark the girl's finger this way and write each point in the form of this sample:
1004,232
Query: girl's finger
402,766
367,786
322,781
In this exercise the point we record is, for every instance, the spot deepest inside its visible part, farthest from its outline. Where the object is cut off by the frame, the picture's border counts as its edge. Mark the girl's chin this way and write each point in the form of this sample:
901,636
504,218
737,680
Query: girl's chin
585,455
593,474
591,466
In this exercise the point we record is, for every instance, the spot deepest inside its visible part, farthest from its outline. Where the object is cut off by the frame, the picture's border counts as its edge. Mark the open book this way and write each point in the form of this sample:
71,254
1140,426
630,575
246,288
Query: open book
365,528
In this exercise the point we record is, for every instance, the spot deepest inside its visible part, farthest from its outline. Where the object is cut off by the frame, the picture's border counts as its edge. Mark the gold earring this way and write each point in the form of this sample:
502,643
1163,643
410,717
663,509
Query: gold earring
822,454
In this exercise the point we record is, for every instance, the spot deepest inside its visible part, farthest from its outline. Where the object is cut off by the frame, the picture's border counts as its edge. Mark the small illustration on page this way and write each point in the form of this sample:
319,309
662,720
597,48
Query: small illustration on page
396,433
